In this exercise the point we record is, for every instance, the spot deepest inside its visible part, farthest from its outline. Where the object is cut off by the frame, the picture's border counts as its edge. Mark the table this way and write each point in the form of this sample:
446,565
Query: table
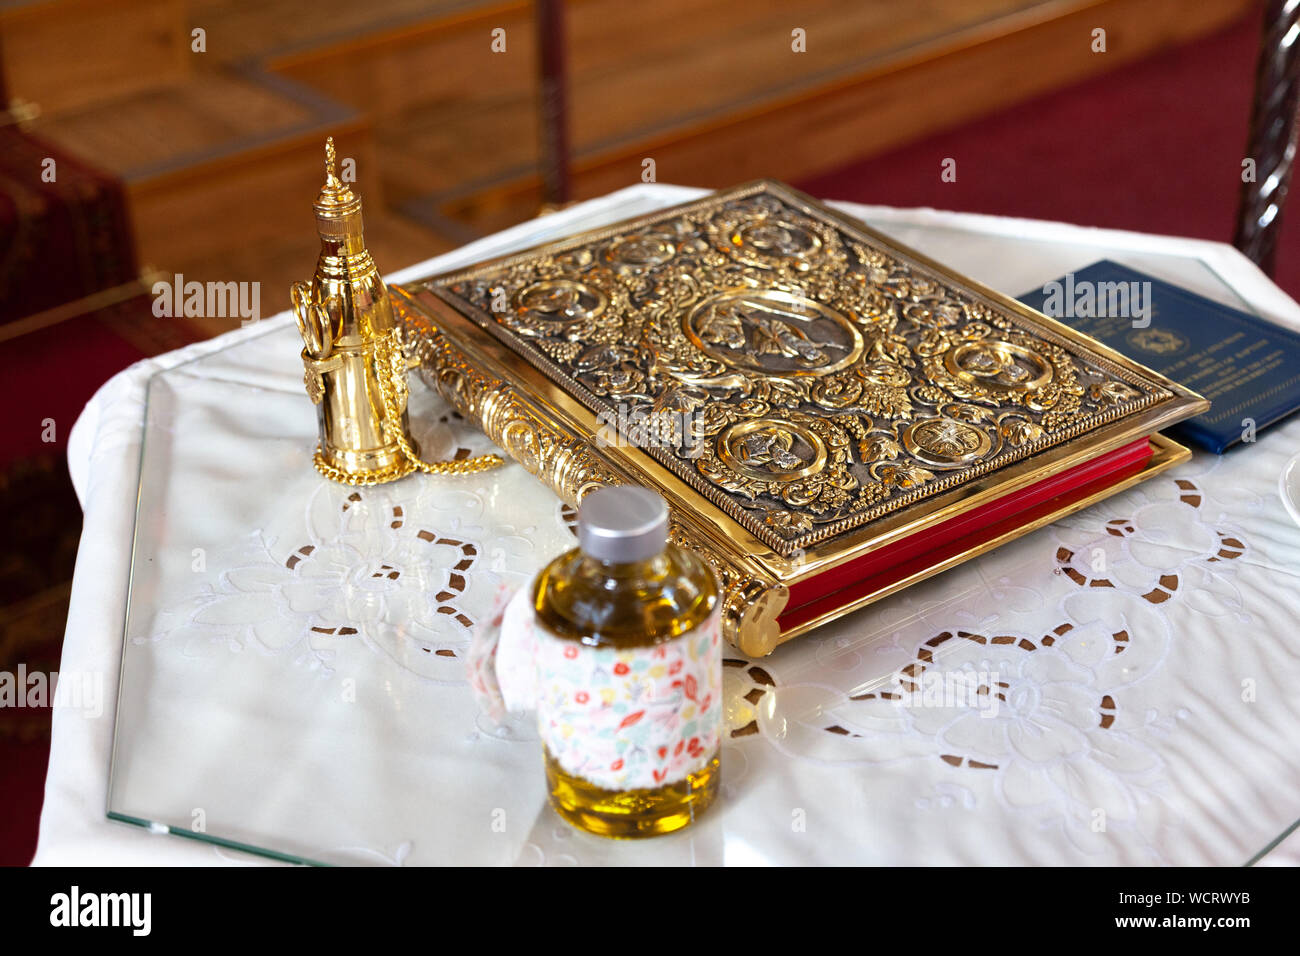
291,685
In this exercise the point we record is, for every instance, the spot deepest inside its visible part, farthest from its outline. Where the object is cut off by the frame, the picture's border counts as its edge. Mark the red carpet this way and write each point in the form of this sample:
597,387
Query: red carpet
49,376
22,780
59,239
1155,146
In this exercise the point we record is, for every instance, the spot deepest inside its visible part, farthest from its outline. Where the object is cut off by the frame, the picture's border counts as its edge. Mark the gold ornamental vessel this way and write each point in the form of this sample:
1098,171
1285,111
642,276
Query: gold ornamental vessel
354,359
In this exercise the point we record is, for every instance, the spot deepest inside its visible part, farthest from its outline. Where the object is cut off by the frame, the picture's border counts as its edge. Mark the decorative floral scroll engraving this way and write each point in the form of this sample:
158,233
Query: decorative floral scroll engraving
831,381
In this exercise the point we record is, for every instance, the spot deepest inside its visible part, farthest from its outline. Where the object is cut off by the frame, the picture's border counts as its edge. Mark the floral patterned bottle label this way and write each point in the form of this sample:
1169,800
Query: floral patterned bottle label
631,719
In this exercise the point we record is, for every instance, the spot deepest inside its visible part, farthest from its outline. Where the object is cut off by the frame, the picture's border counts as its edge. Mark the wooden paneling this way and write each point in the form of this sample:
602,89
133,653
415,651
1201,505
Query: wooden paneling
448,111
258,195
216,161
805,132
178,122
445,61
66,54
221,152
254,31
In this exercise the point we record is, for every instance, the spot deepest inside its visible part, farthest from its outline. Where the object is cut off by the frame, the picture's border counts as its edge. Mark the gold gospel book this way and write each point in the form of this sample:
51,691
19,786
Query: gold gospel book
831,416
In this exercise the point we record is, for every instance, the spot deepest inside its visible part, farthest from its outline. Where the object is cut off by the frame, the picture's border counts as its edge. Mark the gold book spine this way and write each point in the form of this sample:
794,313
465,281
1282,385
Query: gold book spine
568,465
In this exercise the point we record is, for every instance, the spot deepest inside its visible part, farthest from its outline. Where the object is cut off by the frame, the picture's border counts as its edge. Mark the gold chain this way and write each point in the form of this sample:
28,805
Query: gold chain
392,473
390,364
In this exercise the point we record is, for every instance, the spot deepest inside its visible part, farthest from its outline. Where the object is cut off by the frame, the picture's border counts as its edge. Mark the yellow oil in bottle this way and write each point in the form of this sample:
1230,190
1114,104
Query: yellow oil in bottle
624,814
630,708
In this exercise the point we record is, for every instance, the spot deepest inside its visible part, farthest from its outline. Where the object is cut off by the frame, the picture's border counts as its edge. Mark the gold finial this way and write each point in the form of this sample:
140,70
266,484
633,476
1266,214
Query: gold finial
336,198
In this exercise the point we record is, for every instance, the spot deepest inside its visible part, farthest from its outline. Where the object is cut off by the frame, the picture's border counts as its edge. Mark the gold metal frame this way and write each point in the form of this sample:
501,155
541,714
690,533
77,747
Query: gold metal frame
550,427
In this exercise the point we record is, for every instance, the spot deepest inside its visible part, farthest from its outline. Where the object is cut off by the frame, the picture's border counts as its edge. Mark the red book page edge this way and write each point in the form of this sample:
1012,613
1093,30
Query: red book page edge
884,566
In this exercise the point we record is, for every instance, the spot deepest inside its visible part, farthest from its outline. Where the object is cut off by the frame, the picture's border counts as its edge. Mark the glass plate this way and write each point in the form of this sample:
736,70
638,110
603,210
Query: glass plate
293,683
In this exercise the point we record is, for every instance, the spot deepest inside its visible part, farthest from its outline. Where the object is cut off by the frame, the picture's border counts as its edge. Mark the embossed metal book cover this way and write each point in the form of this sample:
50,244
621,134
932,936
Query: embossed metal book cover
831,415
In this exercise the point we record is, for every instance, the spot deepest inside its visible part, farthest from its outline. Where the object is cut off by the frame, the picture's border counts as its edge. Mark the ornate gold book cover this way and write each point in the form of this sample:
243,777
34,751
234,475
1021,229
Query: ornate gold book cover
806,393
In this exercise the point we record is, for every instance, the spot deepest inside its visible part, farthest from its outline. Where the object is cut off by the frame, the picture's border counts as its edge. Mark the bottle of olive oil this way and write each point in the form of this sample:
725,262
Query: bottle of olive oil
629,672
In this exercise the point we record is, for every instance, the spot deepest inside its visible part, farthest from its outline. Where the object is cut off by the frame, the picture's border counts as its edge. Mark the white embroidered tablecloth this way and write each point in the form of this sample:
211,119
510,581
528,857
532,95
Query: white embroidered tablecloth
294,675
